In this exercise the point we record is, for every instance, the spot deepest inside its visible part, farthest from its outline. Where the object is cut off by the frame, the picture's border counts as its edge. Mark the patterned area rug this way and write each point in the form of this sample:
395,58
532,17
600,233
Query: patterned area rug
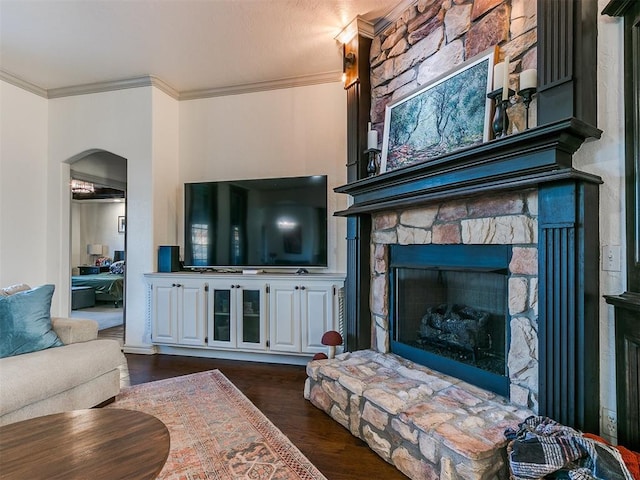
216,432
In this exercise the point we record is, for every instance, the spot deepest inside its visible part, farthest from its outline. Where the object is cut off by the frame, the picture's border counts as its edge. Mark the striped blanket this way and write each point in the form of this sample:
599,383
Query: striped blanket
540,447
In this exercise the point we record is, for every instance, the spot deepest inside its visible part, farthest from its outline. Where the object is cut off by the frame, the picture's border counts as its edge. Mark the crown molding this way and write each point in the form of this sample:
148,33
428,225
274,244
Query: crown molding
23,84
301,81
152,81
357,26
165,87
99,87
364,28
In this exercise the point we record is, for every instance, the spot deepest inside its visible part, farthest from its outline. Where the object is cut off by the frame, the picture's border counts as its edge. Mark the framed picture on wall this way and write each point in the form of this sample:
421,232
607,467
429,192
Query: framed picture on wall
121,224
449,113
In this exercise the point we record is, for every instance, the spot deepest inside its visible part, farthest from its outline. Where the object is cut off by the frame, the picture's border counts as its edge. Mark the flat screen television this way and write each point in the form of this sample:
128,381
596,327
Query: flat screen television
273,222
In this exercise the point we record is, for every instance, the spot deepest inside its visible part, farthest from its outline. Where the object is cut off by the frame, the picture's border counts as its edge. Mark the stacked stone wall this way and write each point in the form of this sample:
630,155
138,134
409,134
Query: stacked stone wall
434,36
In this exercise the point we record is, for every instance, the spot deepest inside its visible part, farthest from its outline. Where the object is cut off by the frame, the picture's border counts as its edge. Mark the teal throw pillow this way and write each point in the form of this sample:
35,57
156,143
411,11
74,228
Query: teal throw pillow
25,322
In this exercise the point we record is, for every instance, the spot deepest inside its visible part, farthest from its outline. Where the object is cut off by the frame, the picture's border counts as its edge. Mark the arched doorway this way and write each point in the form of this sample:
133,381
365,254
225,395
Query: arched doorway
98,182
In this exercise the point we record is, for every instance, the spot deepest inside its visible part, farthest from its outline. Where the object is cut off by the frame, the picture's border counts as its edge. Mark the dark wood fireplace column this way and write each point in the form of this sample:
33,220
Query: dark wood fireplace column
568,329
358,87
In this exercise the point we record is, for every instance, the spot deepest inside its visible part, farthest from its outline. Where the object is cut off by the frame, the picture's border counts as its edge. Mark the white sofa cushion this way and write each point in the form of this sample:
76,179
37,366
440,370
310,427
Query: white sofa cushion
35,376
10,290
74,330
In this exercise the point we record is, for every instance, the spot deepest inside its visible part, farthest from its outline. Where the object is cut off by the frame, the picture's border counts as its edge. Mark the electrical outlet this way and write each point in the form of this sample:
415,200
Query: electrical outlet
609,423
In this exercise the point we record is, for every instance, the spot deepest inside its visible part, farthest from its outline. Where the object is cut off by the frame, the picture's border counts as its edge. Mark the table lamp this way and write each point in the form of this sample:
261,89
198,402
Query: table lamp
94,250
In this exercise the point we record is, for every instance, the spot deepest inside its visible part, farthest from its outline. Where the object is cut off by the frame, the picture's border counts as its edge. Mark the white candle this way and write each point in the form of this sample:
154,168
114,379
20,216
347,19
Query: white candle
372,138
498,74
528,79
505,80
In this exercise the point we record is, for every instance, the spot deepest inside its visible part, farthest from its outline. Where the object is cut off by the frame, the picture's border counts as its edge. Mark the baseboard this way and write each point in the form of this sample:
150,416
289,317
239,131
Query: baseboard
141,350
264,357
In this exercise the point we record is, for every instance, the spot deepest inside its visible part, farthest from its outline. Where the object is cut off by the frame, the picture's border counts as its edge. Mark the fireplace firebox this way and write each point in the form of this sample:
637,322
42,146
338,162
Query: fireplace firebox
449,310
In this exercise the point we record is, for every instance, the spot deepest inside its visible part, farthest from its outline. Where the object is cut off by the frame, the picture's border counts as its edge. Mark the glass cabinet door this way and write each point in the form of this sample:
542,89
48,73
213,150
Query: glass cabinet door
237,316
222,324
251,326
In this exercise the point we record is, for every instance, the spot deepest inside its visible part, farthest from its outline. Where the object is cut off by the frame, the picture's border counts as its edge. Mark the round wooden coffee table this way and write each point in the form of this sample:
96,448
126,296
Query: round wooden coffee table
85,444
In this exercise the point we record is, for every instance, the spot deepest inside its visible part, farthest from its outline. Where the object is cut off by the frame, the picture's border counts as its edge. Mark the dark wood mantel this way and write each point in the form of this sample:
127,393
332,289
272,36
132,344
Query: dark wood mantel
540,155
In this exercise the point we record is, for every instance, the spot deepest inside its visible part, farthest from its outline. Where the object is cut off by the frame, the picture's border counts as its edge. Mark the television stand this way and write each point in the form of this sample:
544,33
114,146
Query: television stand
274,317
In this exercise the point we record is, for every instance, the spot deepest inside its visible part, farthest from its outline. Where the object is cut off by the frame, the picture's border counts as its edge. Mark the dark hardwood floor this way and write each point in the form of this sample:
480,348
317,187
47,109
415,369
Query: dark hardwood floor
277,390
114,333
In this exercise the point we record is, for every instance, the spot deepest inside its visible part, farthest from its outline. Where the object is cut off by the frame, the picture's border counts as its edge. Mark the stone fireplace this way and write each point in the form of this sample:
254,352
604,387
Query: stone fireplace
517,201
523,192
518,212
486,247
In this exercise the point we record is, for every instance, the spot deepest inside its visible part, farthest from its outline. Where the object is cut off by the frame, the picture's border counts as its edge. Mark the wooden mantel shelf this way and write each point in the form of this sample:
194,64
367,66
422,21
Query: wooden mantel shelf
627,300
540,155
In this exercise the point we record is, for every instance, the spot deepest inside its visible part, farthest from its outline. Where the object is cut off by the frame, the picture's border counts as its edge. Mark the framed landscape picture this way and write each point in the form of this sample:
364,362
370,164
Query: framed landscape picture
449,113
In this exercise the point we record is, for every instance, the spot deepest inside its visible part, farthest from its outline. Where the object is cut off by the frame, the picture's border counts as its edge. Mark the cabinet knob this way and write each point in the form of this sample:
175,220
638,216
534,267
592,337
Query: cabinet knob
303,288
237,286
233,286
296,287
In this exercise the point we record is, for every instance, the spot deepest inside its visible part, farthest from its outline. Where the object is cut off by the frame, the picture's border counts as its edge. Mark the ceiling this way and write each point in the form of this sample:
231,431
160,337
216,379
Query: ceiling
191,45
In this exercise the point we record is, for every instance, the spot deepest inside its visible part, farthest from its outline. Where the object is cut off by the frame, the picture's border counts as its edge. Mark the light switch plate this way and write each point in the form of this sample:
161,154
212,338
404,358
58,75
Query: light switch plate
611,258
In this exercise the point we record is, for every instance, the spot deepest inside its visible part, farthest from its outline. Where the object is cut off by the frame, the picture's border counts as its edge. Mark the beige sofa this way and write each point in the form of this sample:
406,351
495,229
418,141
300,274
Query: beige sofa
81,374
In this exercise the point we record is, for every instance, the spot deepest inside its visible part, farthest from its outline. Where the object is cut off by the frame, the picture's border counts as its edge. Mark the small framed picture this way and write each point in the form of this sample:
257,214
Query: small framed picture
121,224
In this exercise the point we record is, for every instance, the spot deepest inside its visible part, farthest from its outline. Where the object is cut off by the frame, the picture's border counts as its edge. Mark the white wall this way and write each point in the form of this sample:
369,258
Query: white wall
119,122
605,157
165,118
280,133
23,188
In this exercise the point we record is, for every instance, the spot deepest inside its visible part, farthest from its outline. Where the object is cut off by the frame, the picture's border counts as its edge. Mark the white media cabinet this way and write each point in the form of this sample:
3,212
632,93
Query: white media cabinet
267,316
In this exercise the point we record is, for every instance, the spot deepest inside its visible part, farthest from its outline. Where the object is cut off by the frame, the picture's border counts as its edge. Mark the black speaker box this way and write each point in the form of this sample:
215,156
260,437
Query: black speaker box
168,258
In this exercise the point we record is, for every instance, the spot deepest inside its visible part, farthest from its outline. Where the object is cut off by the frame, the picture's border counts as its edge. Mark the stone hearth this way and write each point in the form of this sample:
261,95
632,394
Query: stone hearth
428,425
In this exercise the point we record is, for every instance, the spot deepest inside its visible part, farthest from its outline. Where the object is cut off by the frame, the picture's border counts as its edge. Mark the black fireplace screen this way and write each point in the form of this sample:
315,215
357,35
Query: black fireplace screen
454,314
452,318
